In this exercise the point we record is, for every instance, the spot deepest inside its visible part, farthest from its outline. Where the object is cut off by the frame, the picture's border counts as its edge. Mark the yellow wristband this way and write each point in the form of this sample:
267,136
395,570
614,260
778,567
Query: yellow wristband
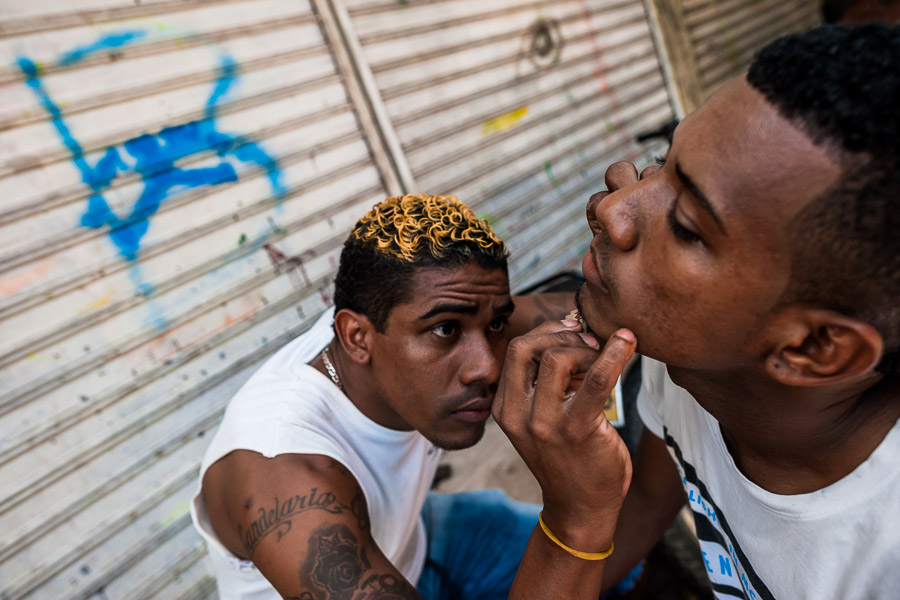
573,551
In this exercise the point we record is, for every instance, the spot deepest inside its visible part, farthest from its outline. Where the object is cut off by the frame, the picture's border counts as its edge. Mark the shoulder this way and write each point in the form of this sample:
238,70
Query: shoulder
298,518
288,366
663,405
654,378
249,496
272,420
651,394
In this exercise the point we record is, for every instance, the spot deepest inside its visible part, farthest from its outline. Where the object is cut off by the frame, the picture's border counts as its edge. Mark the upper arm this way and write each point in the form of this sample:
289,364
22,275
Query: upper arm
652,503
533,309
655,479
303,521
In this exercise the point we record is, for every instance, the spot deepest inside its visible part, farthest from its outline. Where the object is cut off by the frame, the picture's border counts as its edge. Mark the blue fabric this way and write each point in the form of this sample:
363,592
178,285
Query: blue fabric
475,543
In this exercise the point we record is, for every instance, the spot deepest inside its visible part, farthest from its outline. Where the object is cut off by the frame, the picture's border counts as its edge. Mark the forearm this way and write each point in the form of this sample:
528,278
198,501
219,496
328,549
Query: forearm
548,571
650,507
534,309
304,522
580,462
637,533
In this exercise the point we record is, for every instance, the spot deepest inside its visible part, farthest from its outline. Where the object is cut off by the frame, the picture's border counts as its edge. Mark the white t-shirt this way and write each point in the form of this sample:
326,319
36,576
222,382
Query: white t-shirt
841,542
288,407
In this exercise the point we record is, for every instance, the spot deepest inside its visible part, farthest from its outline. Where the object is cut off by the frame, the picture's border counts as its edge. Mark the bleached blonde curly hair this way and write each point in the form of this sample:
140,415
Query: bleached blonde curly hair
405,227
402,235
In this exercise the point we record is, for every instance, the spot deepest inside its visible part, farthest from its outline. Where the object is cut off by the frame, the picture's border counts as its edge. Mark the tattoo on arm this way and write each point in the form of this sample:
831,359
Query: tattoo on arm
277,518
552,307
387,587
339,468
358,506
336,569
360,510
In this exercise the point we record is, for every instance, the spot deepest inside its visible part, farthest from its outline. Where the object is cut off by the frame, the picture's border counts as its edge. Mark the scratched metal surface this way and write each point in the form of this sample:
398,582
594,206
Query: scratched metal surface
176,181
726,33
516,107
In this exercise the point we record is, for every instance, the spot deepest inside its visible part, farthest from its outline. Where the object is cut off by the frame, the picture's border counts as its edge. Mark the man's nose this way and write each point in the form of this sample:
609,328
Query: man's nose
614,211
481,362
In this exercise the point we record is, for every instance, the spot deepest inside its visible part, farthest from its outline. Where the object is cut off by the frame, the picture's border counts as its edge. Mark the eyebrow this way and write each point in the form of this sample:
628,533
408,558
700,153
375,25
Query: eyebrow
464,309
505,309
697,193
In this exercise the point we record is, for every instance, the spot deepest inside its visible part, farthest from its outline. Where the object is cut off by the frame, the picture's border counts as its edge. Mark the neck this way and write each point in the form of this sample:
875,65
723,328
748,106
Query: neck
359,386
797,440
342,375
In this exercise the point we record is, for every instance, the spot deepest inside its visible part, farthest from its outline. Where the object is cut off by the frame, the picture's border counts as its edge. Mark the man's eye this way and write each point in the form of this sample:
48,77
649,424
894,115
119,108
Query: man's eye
680,230
497,325
444,330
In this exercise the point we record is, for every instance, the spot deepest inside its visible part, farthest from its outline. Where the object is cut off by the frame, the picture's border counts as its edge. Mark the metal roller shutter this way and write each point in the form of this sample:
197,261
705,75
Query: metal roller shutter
515,107
726,33
177,179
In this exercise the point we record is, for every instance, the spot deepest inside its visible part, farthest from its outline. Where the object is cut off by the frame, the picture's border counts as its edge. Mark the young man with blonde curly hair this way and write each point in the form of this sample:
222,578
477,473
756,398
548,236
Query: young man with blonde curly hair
316,484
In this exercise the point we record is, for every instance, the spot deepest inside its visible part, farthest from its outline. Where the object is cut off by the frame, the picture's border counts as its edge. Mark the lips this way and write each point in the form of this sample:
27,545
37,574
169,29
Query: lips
477,404
575,315
591,274
476,411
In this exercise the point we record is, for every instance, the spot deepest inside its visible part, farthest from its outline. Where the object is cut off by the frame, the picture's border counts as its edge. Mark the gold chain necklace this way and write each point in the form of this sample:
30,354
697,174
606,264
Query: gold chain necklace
331,370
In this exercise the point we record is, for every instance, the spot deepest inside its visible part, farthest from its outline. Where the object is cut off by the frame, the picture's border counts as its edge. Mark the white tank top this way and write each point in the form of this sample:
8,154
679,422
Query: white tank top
288,407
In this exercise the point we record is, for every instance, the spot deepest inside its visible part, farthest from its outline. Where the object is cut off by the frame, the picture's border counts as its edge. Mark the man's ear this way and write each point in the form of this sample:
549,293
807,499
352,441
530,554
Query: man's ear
818,347
355,333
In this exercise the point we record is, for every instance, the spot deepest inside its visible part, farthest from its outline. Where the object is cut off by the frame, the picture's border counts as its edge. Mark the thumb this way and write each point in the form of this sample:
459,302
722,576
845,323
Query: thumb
603,374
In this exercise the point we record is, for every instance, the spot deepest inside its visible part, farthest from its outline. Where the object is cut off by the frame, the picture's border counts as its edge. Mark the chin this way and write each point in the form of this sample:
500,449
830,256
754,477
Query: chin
461,441
588,323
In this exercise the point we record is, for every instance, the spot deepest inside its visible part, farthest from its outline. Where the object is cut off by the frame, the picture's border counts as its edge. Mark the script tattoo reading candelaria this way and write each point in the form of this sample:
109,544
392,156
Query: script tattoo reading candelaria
278,518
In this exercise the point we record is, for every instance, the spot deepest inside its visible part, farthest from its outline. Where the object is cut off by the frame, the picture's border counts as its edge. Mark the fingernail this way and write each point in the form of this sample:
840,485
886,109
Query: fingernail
569,322
626,335
590,340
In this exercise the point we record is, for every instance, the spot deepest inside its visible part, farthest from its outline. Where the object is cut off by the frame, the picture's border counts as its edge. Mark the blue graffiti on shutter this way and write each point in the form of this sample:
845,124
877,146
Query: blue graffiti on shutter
153,154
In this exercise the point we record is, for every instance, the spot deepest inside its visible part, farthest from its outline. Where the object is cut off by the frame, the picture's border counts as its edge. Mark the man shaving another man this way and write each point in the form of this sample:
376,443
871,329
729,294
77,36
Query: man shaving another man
314,483
758,267
759,270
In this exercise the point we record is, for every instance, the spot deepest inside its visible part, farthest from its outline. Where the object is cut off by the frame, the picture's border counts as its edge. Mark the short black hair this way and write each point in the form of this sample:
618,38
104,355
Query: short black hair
841,86
397,239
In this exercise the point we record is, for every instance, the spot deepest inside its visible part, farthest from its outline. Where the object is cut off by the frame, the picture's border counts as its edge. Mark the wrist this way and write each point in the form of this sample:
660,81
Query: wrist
588,533
582,554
